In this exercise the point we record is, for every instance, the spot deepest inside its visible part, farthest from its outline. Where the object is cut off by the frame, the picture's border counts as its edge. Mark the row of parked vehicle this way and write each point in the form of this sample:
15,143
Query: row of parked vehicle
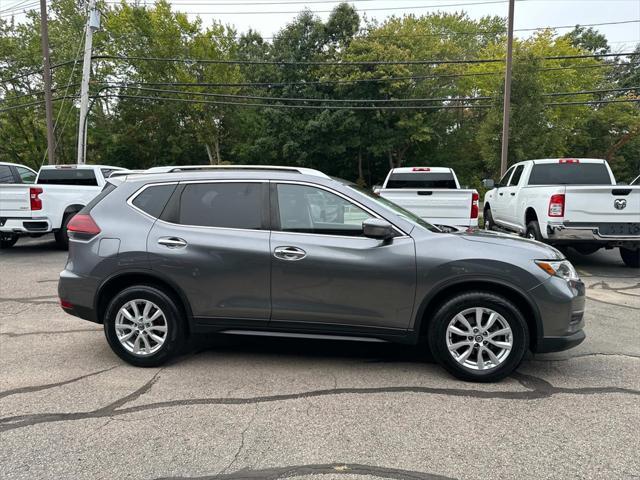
160,255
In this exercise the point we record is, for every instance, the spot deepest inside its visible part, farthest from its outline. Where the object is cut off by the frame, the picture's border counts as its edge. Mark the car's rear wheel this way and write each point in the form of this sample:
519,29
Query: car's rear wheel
478,336
144,326
631,258
8,241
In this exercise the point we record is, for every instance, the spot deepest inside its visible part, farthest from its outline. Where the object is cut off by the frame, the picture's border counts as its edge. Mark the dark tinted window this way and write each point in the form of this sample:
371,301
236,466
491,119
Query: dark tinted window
229,205
421,180
153,199
6,176
26,175
516,175
67,176
569,174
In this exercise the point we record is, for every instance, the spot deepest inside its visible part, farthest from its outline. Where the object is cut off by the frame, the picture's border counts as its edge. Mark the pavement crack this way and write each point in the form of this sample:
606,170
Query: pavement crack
584,355
241,447
41,300
312,470
48,332
611,303
37,388
537,388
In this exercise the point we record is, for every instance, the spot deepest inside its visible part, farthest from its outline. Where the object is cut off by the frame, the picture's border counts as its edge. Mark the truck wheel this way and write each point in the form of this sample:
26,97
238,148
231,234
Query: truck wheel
62,237
631,258
478,336
8,242
144,326
488,219
533,231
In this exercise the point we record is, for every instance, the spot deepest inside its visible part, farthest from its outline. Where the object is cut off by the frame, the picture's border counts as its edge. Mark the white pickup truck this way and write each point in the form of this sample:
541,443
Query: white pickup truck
59,192
567,202
432,193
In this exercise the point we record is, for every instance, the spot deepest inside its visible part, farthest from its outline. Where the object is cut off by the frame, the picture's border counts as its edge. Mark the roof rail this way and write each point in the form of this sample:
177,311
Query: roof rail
195,168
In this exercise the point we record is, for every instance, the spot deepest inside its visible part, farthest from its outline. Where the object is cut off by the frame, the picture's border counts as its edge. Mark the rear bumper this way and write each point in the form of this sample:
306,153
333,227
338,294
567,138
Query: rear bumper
76,295
562,233
25,225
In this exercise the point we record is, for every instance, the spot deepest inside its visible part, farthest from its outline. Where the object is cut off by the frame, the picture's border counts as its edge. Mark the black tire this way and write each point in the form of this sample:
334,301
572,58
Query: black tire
174,336
631,258
533,231
8,242
437,335
62,237
586,249
488,219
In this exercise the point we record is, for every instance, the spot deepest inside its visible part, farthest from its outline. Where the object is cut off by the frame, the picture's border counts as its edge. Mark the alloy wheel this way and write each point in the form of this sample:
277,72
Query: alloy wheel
479,338
141,327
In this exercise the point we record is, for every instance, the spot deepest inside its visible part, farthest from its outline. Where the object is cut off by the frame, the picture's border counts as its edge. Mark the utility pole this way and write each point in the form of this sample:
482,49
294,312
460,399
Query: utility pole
93,23
507,92
46,73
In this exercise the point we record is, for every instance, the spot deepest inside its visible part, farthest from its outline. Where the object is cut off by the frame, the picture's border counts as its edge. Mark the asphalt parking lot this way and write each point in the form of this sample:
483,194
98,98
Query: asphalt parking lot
253,409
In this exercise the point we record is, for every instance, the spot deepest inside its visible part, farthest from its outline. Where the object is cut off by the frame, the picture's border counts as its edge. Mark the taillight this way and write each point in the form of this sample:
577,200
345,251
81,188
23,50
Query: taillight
568,160
475,198
420,169
35,201
82,226
556,205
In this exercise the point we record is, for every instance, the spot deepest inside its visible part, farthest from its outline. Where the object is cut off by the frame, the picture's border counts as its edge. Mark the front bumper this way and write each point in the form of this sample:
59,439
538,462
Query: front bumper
562,308
559,232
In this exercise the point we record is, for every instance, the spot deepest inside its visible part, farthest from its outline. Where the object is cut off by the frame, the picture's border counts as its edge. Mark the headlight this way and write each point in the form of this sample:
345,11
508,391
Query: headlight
559,268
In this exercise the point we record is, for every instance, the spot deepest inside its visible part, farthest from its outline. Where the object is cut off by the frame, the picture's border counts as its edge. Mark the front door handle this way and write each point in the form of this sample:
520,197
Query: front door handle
172,242
289,253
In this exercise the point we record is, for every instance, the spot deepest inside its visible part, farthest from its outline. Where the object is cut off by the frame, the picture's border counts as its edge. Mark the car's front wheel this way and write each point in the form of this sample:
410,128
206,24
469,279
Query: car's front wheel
144,326
478,336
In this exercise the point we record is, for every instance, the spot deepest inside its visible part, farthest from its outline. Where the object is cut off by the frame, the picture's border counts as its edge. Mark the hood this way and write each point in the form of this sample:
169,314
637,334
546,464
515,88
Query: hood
537,250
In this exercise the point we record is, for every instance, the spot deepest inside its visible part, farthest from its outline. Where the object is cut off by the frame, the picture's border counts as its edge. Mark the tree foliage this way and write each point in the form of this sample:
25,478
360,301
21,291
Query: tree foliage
131,128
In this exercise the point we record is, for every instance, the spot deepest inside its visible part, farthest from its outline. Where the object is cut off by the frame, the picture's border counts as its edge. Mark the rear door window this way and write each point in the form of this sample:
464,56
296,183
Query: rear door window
26,175
6,175
569,174
225,205
421,180
515,179
68,176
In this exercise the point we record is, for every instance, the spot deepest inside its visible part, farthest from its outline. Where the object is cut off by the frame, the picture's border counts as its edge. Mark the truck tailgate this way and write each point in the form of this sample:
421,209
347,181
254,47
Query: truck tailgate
14,201
439,206
602,204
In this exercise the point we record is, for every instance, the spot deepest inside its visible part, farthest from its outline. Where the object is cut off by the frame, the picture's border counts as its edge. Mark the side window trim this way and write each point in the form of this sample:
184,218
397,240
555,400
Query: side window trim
172,208
275,215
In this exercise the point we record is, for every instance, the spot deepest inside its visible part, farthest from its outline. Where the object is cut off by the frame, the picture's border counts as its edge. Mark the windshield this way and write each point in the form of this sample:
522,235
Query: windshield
397,209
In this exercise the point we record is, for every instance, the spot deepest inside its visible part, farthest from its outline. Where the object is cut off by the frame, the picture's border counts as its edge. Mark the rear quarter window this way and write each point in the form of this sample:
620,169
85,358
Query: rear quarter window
569,174
6,175
153,199
421,180
68,176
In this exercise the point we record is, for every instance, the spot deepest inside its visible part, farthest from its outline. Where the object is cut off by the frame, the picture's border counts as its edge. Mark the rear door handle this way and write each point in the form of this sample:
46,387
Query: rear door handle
172,242
289,253
501,193
513,194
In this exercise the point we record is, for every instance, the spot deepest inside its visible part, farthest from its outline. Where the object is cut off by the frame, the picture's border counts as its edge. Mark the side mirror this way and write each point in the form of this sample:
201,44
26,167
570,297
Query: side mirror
377,228
488,183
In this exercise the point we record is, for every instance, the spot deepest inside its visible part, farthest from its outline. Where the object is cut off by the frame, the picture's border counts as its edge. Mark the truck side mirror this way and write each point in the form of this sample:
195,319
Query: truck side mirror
488,183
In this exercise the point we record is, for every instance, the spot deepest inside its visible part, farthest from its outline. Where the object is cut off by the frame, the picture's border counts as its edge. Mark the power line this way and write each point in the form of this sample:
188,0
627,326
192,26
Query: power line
39,102
343,63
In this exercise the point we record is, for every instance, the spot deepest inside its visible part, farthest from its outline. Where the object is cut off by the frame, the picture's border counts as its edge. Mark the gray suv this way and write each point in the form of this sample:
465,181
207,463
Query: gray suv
291,252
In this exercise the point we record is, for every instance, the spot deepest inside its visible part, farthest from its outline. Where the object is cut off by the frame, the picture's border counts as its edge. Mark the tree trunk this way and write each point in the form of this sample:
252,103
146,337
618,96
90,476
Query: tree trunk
361,180
390,153
211,162
217,144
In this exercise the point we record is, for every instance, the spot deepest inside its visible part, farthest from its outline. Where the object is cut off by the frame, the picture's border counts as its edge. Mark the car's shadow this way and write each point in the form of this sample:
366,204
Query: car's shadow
28,245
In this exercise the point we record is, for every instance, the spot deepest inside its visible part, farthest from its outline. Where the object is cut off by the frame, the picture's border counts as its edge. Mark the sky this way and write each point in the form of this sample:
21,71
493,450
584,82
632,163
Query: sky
260,14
